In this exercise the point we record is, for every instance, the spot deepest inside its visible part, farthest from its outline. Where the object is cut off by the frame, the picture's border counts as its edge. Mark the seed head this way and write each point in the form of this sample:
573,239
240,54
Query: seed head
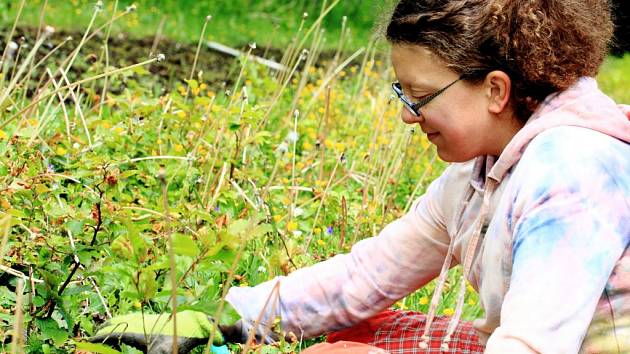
304,54
293,137
296,113
344,20
160,57
304,15
208,18
131,8
68,39
283,148
252,45
49,30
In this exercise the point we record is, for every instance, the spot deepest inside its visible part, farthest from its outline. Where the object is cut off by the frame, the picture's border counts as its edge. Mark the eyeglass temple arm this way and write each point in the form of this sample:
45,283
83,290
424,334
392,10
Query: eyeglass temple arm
425,100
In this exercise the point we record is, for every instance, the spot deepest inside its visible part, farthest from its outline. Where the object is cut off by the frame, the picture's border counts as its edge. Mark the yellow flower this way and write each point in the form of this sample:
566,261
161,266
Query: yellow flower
317,230
179,148
448,312
181,114
277,218
423,300
3,135
471,302
307,146
321,242
61,151
292,226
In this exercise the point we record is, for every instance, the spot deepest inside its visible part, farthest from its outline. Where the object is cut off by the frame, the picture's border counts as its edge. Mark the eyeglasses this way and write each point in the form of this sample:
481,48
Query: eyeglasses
414,108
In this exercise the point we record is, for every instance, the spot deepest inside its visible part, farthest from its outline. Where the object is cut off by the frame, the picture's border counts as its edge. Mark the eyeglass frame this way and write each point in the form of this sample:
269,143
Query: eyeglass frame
414,108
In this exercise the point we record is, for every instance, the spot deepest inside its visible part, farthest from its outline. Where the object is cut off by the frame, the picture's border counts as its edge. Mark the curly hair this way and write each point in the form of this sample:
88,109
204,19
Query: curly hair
543,45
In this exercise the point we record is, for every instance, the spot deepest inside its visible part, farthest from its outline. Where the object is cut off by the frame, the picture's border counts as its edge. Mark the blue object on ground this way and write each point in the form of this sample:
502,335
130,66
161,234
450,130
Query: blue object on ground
220,350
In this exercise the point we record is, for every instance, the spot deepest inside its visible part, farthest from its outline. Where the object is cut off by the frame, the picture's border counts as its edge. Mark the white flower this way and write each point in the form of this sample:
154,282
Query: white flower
298,211
262,269
283,148
293,137
297,233
76,146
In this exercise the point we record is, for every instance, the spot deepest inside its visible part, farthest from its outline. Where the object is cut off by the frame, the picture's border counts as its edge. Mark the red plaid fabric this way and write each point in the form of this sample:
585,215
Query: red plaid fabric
399,332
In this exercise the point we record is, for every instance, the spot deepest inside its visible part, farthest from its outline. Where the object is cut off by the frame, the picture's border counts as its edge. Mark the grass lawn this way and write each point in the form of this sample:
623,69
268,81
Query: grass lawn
234,22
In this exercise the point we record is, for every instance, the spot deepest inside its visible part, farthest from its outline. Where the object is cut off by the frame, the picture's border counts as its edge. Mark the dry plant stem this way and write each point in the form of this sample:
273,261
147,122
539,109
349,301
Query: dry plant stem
15,78
390,161
275,99
309,238
274,170
171,256
42,12
288,54
317,22
310,61
328,79
340,44
75,53
5,224
239,78
95,32
194,66
158,36
275,295
77,105
324,134
63,107
8,39
18,337
71,86
226,286
217,190
293,191
166,109
102,101
240,191
420,183
344,222
43,60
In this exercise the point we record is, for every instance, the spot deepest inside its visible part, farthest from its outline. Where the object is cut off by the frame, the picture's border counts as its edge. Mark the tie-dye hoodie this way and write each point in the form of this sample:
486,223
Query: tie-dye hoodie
542,234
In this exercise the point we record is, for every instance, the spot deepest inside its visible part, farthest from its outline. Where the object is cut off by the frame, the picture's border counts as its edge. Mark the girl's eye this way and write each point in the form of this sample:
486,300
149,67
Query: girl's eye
418,98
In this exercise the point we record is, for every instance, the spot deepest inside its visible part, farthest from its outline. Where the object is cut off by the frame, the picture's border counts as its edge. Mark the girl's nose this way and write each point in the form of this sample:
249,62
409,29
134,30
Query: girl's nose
409,117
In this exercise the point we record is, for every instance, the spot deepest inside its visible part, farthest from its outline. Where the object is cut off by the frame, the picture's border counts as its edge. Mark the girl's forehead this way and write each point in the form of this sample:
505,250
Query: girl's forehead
417,65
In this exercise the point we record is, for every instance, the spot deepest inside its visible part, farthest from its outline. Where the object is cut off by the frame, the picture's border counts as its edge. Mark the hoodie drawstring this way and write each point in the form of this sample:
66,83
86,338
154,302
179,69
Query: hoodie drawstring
490,187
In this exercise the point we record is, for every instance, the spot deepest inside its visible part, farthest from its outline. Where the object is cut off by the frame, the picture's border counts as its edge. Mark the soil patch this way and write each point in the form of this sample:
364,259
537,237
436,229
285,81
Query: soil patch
217,67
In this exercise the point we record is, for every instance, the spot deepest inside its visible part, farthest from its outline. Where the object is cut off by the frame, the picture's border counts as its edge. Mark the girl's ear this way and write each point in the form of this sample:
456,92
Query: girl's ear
498,88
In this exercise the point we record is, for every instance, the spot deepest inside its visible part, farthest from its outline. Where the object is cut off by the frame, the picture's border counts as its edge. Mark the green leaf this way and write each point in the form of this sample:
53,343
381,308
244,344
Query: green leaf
96,348
147,286
183,245
50,330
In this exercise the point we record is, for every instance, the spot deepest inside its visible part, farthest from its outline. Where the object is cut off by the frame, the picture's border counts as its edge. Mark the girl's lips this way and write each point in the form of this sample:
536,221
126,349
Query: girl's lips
432,136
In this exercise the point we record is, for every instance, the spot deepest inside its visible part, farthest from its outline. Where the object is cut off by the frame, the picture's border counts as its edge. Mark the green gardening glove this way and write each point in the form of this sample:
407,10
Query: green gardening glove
193,329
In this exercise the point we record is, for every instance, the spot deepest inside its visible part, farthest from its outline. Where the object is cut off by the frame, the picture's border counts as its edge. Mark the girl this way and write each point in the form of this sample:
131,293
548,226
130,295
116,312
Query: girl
535,205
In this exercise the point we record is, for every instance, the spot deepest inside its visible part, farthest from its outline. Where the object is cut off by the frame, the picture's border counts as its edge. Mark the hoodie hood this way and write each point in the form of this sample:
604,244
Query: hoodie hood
582,105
